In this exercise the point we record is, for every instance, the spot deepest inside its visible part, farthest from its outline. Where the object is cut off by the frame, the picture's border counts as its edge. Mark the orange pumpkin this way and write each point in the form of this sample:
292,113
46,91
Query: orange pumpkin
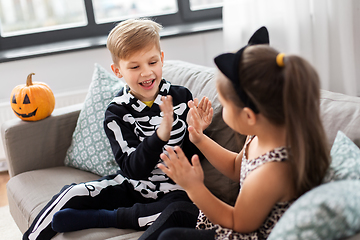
32,101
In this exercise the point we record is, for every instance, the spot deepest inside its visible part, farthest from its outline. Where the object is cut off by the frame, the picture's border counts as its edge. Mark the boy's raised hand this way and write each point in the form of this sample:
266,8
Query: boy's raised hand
178,168
167,111
199,118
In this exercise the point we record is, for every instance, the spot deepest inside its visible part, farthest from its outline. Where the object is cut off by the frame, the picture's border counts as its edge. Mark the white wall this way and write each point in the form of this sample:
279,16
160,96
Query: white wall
72,72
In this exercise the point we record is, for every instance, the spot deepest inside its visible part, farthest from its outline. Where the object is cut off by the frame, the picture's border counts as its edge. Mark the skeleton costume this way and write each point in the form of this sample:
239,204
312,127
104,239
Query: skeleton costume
130,126
140,191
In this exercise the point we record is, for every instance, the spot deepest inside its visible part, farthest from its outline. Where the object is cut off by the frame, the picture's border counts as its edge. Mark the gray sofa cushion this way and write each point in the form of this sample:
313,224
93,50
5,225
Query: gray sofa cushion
41,186
340,112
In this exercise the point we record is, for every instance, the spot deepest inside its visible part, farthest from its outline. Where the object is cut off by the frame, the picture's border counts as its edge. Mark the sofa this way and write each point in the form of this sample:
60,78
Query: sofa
39,153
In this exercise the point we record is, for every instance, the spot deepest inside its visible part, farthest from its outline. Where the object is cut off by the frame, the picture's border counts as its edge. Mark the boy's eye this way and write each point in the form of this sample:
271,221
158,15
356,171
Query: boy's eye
153,62
134,67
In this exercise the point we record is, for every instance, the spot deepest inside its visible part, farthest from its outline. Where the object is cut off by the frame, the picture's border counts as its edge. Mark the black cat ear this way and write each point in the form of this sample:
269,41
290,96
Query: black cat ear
261,36
228,64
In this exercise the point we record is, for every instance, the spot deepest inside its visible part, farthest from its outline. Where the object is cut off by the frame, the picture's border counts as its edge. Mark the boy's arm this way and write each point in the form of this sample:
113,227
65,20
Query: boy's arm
167,110
136,159
183,95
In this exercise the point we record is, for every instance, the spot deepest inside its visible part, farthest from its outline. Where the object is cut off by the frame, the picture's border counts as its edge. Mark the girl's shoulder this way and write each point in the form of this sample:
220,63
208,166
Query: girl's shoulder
274,177
270,170
259,156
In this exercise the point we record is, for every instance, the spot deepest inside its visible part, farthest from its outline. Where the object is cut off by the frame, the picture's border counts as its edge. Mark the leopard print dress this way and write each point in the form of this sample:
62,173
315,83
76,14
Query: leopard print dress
277,154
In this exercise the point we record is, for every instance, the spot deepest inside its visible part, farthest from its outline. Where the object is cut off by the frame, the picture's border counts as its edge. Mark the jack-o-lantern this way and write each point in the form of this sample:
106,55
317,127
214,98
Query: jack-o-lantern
32,101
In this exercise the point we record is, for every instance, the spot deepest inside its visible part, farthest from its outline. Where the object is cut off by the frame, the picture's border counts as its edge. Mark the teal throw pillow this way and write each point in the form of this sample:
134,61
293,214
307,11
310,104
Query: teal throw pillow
329,211
345,157
90,148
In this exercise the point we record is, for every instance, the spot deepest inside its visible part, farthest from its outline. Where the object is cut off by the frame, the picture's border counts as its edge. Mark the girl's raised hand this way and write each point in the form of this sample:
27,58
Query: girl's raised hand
180,170
199,118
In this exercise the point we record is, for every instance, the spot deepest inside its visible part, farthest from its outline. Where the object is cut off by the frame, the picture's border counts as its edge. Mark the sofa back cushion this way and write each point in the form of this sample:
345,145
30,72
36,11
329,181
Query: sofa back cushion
340,112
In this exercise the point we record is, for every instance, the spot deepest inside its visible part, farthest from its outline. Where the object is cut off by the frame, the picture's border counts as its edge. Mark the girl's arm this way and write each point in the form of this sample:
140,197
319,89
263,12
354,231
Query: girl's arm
226,161
199,117
262,188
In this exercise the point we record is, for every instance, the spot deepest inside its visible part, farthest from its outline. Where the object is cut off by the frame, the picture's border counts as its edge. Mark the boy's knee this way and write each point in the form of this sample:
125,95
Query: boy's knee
182,206
170,233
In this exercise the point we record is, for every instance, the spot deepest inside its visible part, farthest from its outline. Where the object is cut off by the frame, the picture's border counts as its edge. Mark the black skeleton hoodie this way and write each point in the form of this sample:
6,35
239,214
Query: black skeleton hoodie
131,127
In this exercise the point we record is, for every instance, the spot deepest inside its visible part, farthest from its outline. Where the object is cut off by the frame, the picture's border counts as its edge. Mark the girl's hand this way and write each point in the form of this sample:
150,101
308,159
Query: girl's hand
180,170
199,118
167,110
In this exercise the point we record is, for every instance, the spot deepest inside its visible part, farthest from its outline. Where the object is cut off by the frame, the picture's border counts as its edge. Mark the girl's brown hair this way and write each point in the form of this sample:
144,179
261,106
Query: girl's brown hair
290,96
133,35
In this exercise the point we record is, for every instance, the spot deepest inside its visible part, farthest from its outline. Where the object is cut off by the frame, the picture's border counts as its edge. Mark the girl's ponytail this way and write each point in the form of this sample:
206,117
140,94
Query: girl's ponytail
309,153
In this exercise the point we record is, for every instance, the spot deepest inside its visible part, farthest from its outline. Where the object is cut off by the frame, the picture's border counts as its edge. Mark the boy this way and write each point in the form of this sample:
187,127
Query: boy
139,122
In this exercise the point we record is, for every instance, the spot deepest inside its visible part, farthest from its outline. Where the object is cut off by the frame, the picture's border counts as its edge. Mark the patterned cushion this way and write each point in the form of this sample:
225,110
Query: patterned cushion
330,211
90,148
345,159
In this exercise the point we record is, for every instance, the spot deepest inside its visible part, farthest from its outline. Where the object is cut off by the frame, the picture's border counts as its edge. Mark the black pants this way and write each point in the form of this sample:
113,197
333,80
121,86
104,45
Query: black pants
177,221
135,209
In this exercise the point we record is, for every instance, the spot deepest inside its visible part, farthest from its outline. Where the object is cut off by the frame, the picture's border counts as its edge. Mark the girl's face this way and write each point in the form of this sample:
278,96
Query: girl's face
231,114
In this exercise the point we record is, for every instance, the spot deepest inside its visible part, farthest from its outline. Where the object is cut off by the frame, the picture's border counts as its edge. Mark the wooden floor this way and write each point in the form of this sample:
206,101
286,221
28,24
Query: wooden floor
4,178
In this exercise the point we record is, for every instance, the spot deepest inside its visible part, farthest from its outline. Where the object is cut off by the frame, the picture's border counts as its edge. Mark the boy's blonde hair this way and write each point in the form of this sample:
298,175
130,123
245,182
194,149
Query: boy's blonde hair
131,36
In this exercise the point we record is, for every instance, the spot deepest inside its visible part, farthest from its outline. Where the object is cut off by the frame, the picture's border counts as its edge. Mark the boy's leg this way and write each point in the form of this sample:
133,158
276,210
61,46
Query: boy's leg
142,214
47,234
138,216
187,233
177,214
103,193
69,219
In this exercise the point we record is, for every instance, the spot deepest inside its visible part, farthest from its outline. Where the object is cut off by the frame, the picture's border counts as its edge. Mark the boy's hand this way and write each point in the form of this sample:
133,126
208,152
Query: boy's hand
199,118
180,170
167,111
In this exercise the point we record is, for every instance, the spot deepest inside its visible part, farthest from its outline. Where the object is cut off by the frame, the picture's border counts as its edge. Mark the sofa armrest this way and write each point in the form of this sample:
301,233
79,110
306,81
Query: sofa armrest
40,144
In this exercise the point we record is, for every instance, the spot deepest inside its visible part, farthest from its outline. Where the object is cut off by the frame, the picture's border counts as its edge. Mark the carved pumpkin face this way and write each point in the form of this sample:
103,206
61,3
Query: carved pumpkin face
32,101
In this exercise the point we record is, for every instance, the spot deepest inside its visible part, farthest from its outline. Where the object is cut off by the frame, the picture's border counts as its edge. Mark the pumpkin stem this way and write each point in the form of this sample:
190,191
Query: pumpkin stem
29,79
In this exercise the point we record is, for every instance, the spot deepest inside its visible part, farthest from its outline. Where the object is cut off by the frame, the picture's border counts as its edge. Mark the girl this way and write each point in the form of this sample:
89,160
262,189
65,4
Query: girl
274,99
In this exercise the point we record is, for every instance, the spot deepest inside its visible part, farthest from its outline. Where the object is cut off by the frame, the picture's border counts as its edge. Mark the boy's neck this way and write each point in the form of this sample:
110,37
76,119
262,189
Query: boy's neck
152,101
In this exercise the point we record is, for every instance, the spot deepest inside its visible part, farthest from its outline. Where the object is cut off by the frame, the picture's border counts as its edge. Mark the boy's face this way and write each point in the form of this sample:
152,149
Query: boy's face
142,72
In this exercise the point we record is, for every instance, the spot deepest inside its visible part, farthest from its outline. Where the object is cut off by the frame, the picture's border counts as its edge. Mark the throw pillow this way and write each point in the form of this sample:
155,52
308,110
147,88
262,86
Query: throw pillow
329,211
345,157
90,148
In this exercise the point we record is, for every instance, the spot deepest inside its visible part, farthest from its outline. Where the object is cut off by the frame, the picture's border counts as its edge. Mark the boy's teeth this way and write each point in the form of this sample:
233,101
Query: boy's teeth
147,83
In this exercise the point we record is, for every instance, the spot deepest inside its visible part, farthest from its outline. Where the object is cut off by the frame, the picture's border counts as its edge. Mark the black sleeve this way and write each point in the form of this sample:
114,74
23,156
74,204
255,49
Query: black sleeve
182,94
136,159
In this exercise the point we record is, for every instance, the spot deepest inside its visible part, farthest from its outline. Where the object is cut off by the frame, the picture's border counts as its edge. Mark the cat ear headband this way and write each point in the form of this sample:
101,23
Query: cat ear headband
228,64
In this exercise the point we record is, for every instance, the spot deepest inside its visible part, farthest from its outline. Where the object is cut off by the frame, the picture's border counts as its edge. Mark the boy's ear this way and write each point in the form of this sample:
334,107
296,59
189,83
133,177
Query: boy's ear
162,58
250,116
116,71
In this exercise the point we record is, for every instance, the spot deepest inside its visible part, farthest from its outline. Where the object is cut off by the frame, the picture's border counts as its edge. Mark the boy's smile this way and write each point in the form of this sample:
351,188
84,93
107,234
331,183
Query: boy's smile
142,72
148,84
